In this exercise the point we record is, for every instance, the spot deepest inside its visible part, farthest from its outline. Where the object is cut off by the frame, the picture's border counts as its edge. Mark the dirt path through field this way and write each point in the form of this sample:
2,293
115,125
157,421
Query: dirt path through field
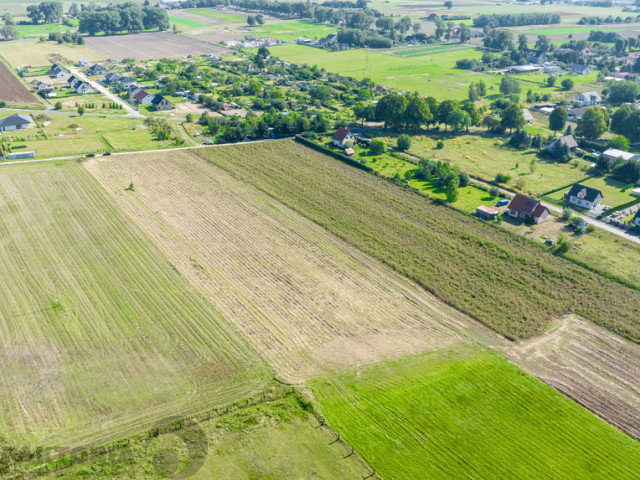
306,300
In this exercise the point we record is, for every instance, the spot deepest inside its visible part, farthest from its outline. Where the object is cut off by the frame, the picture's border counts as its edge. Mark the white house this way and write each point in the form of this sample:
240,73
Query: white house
83,87
141,96
58,72
579,69
585,197
588,99
614,155
127,82
83,62
17,121
342,137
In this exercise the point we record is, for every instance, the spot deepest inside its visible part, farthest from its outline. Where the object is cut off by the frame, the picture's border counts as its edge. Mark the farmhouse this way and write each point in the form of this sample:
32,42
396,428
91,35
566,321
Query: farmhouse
589,99
96,69
582,196
528,118
487,213
342,137
614,155
161,103
17,121
579,69
526,208
58,72
565,140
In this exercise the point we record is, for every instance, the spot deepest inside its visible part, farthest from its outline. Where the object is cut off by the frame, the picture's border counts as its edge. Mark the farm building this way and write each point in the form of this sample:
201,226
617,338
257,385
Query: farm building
525,208
615,155
584,197
342,137
579,69
528,118
17,121
487,213
19,155
524,68
161,103
588,99
551,68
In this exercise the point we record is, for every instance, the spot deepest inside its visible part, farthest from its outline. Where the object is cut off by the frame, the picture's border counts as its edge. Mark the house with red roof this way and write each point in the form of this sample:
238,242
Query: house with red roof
141,96
527,209
342,138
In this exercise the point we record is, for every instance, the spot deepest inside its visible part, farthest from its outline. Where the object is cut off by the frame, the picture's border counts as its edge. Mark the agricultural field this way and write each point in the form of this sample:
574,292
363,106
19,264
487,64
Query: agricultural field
485,156
186,22
149,46
292,30
69,135
222,16
446,414
12,90
275,439
307,301
31,52
100,337
422,240
433,74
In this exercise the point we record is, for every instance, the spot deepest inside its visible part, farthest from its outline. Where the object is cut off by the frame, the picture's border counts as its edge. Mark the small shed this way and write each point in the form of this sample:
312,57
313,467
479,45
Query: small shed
487,213
349,152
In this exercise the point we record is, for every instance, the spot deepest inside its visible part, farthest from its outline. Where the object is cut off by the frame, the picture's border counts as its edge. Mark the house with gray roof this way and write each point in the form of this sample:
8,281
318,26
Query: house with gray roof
17,121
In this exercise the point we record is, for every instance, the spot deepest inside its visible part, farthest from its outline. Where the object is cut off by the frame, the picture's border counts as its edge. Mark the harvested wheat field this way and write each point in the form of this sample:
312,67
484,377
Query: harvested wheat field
100,337
307,301
12,90
590,365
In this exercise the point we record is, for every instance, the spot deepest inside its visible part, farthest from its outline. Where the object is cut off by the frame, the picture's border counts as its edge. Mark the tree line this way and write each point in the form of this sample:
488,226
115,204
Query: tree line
515,20
127,17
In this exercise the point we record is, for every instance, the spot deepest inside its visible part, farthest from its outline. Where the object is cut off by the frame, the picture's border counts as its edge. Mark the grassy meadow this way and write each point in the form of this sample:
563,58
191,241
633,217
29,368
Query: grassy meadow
432,74
100,336
184,22
218,15
31,52
468,413
293,30
444,250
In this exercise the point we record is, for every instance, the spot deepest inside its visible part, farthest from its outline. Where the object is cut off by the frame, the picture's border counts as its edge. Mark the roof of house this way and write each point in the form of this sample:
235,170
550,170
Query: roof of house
141,94
621,154
577,112
341,134
526,205
158,99
15,119
590,194
590,96
127,80
527,115
567,140
577,66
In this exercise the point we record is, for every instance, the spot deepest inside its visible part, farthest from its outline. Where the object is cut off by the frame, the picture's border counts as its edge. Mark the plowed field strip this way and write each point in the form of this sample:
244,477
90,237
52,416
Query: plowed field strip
306,300
11,88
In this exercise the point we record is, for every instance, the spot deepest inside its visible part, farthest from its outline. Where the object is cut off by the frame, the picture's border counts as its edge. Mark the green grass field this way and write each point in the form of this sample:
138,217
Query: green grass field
31,52
430,74
100,336
276,439
25,31
187,22
293,30
485,156
219,15
470,414
95,135
442,249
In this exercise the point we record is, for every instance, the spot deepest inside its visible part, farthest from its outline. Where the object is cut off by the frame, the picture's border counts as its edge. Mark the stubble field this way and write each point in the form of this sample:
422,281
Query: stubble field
99,335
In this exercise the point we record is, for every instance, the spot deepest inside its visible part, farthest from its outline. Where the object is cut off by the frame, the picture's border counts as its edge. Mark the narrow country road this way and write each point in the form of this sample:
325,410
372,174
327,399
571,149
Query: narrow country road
105,91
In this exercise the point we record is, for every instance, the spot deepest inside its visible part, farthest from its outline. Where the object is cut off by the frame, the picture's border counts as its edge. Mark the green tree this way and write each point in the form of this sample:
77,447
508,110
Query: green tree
474,114
404,142
465,33
567,84
446,107
523,43
619,142
377,147
543,43
417,112
390,110
551,80
260,19
481,88
251,20
592,124
512,117
8,32
360,112
558,119
473,95
80,110
440,29
58,105
509,85
448,4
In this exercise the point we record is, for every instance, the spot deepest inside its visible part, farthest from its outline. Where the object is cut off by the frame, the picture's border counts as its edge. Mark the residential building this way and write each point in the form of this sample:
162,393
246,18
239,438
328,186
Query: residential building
73,81
342,137
17,121
112,78
141,96
83,62
161,103
58,72
583,196
576,114
536,56
127,82
527,209
567,140
96,69
84,87
579,69
588,99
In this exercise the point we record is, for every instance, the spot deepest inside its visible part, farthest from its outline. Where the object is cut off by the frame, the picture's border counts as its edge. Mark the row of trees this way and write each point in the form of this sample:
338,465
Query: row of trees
515,20
45,12
129,17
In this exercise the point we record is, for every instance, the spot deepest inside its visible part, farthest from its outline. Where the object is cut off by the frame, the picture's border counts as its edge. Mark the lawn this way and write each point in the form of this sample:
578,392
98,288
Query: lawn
468,413
484,156
288,31
432,74
187,22
25,31
217,14
100,336
611,189
276,439
31,52
444,250
69,135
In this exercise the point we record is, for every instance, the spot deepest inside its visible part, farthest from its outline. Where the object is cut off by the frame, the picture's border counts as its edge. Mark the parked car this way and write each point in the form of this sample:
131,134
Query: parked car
502,202
91,155
105,154
208,142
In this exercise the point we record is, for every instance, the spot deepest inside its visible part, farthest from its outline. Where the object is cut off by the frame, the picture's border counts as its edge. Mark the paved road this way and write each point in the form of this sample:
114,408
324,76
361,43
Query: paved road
105,91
